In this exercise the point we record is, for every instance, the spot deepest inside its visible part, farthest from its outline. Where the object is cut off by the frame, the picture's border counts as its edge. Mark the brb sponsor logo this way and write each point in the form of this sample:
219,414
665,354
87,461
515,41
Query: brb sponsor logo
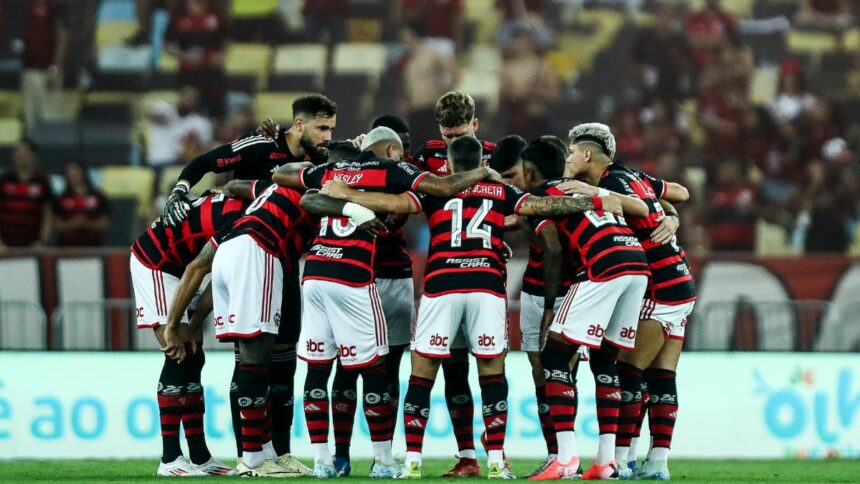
346,351
438,340
315,346
596,330
486,341
816,413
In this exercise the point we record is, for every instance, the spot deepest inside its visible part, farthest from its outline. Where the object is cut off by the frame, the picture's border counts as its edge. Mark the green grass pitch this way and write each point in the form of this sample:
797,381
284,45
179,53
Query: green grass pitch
682,470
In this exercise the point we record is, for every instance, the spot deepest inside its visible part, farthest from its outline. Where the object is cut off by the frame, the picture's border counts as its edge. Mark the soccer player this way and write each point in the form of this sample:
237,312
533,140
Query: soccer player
600,310
342,317
668,302
158,259
455,114
255,157
464,287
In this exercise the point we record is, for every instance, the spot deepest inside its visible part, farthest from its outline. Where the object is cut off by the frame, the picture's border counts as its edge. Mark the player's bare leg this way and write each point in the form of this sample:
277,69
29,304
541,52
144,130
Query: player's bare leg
631,364
416,411
461,408
494,409
663,408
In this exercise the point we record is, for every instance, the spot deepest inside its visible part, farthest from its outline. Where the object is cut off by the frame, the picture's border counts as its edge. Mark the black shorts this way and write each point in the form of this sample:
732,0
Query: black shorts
291,309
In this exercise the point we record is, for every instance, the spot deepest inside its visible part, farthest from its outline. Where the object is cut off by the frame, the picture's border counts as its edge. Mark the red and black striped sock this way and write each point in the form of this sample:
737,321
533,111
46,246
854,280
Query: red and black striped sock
316,402
281,400
607,390
630,382
560,391
416,411
234,403
344,399
546,425
392,362
171,403
494,408
663,407
377,403
253,383
461,406
192,416
643,409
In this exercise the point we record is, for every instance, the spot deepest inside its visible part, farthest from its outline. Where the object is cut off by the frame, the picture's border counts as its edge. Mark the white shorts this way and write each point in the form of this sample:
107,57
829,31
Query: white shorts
398,304
480,314
597,311
531,312
247,284
340,321
153,294
672,317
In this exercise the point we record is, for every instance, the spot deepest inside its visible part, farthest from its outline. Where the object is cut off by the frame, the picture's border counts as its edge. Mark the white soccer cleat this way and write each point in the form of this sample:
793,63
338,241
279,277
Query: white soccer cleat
323,471
654,470
267,469
382,471
179,468
500,472
292,465
214,467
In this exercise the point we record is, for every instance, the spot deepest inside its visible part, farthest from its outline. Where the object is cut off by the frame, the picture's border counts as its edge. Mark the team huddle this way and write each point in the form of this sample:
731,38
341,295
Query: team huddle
605,282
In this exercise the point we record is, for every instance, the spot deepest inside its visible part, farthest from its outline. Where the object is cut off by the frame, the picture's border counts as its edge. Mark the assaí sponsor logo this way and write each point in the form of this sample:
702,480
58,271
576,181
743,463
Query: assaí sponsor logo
809,403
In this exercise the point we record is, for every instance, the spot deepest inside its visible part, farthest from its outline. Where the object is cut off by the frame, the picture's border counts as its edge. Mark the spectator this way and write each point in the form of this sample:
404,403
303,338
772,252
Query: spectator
429,70
828,220
819,126
792,99
435,19
732,208
628,136
662,58
528,87
144,9
706,30
177,133
520,14
82,210
664,131
240,121
25,201
45,39
198,37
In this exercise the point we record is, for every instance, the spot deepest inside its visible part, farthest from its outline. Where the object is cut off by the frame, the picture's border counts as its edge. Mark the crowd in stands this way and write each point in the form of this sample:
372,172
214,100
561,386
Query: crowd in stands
752,105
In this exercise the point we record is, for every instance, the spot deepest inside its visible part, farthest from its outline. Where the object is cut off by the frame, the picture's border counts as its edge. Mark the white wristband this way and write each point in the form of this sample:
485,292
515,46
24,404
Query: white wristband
360,215
602,192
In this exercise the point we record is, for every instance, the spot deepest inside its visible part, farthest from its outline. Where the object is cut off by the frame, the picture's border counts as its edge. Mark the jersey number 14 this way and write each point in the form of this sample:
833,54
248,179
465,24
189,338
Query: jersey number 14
474,229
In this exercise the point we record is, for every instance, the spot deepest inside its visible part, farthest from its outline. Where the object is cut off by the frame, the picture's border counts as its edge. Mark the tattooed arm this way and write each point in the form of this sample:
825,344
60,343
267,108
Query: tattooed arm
445,186
238,189
289,175
557,206
403,203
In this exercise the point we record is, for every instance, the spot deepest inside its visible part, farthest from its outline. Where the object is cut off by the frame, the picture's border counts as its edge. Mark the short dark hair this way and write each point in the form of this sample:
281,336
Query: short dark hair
342,150
556,141
314,105
455,108
546,157
465,153
30,144
398,124
507,153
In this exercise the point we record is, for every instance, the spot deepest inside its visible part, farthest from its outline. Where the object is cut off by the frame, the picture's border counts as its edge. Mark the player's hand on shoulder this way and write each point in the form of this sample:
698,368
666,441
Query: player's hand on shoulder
575,186
336,189
269,128
493,175
356,142
612,204
177,206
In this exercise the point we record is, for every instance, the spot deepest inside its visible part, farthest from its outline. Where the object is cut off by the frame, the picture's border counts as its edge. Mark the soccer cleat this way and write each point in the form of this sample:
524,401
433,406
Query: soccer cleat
555,470
625,474
323,470
267,469
411,472
484,444
541,467
464,468
381,471
654,470
178,468
214,467
292,465
341,465
600,472
500,472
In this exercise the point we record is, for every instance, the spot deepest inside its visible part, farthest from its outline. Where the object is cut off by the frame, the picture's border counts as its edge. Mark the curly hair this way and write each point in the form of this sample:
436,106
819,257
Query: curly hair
455,108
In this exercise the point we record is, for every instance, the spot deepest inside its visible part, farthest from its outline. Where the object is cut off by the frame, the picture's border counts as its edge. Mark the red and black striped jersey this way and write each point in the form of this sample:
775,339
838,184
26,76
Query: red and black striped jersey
533,282
599,244
671,281
276,222
171,249
466,239
341,253
22,208
434,154
91,206
393,260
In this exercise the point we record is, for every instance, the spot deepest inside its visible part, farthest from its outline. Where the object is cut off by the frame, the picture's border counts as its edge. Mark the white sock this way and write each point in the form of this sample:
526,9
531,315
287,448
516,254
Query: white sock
496,457
468,454
322,454
551,456
412,457
382,453
631,456
269,451
566,446
621,454
253,459
658,453
605,449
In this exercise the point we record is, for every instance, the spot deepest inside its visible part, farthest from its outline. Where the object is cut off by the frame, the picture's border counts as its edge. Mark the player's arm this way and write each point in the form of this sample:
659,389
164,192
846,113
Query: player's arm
632,206
446,186
559,206
243,189
203,309
669,223
290,175
322,205
403,203
675,193
551,248
185,291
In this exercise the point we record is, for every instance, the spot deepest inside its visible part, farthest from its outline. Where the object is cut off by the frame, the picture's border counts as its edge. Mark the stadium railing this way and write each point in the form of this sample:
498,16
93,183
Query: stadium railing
22,326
